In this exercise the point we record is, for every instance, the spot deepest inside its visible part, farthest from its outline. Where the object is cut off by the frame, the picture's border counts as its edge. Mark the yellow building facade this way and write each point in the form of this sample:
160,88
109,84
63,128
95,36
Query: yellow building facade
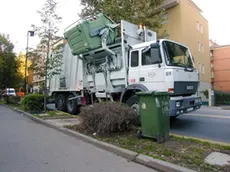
184,23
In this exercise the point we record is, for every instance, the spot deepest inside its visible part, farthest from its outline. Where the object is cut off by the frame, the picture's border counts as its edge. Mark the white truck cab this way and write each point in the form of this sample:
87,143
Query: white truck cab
166,65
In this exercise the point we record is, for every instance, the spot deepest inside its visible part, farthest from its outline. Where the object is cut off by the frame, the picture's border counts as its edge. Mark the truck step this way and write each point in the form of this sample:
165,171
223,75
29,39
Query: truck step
102,95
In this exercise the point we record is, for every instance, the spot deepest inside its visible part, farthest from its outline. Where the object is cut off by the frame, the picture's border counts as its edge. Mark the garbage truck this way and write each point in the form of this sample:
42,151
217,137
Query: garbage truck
107,61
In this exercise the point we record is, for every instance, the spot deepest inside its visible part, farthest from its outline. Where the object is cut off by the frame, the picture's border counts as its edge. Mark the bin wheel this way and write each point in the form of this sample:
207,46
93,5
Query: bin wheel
160,140
139,134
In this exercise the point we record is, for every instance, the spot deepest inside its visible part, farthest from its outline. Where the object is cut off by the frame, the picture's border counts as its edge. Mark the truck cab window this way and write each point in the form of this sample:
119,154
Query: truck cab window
149,58
134,59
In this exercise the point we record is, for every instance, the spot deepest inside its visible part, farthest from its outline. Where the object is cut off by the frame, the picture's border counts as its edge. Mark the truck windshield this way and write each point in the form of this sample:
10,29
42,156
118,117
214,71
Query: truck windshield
177,55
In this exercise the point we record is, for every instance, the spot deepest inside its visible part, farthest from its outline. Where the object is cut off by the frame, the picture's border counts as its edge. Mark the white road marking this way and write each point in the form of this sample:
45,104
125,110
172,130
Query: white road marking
208,116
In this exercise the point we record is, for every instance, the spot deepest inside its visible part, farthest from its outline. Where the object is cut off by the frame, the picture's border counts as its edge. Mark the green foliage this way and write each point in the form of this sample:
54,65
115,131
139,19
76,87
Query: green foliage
106,118
206,93
145,12
54,63
33,102
12,99
222,98
42,65
9,77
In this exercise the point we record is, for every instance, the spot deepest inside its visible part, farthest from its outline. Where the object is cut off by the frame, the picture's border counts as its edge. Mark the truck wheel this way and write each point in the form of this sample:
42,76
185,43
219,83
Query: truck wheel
71,105
133,102
61,102
173,118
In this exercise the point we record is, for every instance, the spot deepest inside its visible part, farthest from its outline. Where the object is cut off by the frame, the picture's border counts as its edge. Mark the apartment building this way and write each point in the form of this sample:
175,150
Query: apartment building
220,67
184,22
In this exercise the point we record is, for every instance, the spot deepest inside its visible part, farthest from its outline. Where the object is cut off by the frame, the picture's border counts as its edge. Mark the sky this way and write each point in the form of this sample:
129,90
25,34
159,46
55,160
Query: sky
17,16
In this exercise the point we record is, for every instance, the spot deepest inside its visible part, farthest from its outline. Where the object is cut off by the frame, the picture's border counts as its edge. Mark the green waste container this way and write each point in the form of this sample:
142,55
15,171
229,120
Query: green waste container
154,110
83,36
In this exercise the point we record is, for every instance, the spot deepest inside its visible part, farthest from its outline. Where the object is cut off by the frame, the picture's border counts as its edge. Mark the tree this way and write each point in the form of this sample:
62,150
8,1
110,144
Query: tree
145,12
21,60
38,60
9,76
46,32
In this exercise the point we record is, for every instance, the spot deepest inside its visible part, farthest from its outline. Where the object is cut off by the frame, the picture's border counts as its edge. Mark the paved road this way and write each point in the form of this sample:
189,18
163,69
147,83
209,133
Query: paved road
26,146
206,123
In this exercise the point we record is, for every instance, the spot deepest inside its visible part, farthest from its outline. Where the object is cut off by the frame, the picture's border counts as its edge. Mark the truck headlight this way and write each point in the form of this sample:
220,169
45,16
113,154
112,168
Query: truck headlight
178,104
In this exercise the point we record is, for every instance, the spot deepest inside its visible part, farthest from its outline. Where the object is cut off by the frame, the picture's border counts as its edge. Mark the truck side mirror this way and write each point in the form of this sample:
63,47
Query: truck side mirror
155,53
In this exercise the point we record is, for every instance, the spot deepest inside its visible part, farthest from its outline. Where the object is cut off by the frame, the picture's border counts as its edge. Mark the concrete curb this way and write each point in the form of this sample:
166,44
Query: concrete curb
160,165
58,117
156,164
130,155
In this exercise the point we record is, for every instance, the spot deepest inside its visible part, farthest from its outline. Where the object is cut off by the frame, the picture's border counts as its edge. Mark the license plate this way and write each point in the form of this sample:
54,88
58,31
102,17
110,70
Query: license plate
189,109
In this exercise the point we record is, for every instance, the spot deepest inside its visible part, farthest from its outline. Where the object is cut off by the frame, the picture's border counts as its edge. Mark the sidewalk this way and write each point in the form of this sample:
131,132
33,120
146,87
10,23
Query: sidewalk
154,164
176,150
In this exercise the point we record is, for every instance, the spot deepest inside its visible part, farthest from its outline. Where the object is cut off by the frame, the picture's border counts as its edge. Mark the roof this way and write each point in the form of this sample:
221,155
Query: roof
171,3
220,46
168,4
194,5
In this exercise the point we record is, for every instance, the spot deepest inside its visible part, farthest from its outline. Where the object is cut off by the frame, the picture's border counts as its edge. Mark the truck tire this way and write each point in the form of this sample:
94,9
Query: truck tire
133,102
71,105
61,102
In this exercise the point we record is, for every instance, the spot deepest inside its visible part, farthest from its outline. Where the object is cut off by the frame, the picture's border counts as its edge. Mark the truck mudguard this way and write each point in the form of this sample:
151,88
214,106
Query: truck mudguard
138,87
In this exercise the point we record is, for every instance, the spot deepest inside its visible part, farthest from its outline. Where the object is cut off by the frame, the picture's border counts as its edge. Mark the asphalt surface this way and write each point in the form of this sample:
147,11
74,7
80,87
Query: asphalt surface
206,123
26,146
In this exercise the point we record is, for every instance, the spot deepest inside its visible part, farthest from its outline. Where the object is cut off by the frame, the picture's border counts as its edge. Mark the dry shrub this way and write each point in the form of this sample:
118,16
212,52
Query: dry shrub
106,118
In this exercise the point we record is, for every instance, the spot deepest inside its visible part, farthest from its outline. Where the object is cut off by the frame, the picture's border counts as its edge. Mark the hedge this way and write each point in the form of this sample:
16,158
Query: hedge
12,99
222,98
33,102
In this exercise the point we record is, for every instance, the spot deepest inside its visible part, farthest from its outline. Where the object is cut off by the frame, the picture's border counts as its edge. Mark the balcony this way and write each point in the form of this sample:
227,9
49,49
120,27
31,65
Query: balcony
168,4
212,75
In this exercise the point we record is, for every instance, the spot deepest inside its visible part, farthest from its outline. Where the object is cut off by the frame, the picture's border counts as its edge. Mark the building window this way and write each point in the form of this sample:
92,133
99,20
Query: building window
199,68
201,28
212,66
212,74
198,46
202,48
203,68
211,54
198,26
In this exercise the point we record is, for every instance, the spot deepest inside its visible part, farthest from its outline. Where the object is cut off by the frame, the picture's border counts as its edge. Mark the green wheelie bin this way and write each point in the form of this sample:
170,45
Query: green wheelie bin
154,110
84,35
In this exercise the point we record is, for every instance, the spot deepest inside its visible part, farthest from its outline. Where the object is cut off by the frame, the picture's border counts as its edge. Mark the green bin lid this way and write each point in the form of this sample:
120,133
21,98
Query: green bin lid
154,93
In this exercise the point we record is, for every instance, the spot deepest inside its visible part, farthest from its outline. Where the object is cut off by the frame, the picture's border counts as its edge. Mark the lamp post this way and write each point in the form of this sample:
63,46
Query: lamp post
29,33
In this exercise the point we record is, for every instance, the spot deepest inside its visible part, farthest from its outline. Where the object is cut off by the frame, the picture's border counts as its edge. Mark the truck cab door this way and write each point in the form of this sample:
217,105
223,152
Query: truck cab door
151,73
134,61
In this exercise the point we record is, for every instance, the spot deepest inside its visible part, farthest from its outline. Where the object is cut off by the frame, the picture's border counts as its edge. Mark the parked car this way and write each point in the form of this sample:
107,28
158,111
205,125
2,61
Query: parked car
9,92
